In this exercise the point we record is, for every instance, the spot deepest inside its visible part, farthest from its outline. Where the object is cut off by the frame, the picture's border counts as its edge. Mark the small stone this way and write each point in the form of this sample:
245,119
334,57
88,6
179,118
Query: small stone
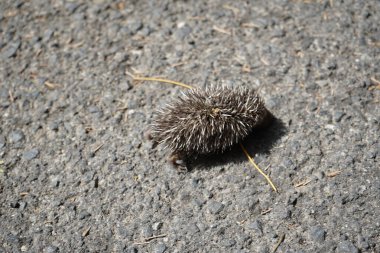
193,229
83,215
50,249
16,136
93,109
311,87
228,243
135,26
183,32
147,231
30,154
57,202
362,243
13,239
278,33
313,106
54,182
281,213
22,205
71,7
215,207
261,23
124,86
10,50
132,250
322,83
198,203
160,248
113,30
24,248
346,247
256,225
317,234
120,57
15,204
262,249
338,115
208,194
156,226
331,65
2,142
54,126
48,34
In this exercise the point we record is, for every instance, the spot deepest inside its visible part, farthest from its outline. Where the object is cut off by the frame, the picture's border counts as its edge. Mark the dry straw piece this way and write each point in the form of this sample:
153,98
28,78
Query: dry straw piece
208,121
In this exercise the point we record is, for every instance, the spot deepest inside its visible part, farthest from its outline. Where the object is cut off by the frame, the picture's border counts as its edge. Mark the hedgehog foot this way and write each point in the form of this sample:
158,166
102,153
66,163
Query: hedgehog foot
179,162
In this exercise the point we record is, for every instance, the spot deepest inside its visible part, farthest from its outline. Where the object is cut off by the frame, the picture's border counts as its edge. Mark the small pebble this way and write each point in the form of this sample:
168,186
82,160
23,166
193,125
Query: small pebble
346,247
10,50
83,215
2,142
317,234
183,32
215,207
147,231
228,243
156,226
160,248
338,115
30,154
50,249
16,136
256,225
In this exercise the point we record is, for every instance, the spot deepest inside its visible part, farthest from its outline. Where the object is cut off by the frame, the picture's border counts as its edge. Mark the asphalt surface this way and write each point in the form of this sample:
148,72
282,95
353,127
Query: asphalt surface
78,175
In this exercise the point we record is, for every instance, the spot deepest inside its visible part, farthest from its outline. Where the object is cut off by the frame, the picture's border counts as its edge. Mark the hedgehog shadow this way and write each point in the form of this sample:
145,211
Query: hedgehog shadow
260,141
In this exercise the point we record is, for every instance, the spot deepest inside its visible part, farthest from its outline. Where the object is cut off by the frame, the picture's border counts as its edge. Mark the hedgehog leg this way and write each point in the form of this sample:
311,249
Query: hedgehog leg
178,161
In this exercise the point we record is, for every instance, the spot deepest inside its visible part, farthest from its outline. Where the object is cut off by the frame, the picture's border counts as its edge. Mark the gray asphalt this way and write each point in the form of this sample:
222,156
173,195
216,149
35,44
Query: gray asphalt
78,175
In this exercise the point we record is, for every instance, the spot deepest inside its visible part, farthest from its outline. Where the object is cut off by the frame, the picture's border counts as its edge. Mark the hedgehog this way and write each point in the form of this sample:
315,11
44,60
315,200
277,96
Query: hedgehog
208,121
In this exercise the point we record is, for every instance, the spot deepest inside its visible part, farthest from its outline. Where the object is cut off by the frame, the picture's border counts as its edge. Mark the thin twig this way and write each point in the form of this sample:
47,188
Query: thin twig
86,232
149,239
198,18
177,64
250,25
257,167
97,148
233,9
159,80
51,85
375,80
266,211
221,30
122,108
282,238
302,183
334,173
11,97
376,84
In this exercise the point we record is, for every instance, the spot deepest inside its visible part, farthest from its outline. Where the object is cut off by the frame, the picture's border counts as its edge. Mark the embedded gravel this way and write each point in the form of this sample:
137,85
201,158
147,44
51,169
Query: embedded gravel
78,175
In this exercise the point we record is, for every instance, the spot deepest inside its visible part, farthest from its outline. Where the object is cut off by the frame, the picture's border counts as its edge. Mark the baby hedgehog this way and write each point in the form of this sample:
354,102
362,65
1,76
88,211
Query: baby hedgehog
208,121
